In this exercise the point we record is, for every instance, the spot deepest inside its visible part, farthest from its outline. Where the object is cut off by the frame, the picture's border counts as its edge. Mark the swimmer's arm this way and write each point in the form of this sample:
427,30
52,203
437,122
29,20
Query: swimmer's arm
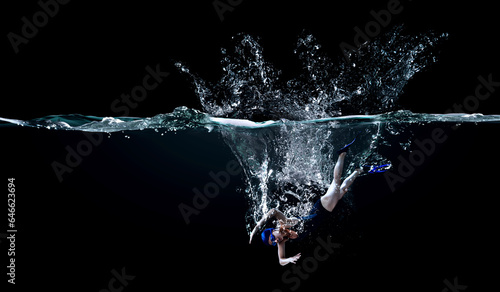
276,214
272,213
289,222
281,255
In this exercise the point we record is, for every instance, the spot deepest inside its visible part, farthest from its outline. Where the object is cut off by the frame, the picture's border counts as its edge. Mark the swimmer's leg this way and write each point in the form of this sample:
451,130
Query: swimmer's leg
348,181
329,200
346,147
337,171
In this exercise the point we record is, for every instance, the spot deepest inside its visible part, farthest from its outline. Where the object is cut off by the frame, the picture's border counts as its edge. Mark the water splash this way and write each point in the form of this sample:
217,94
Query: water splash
289,159
289,164
252,88
303,155
181,118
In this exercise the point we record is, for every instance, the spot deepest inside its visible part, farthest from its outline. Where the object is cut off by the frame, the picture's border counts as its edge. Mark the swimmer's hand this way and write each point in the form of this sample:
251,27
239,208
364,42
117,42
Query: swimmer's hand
272,213
293,259
251,235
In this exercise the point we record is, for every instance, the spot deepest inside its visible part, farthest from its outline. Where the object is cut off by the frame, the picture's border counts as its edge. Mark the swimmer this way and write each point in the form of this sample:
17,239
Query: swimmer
321,210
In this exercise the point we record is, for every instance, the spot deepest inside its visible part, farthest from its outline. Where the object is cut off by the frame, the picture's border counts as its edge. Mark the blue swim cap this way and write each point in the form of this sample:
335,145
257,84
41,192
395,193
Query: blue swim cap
265,236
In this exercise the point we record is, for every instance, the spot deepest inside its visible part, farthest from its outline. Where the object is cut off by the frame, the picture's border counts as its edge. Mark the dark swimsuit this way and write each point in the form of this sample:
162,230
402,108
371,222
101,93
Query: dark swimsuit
319,217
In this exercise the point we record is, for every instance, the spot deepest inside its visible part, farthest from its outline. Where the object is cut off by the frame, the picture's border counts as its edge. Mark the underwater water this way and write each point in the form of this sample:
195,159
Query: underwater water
285,133
286,164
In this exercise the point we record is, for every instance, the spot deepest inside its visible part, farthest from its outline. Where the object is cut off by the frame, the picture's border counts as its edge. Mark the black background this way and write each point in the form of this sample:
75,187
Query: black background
119,207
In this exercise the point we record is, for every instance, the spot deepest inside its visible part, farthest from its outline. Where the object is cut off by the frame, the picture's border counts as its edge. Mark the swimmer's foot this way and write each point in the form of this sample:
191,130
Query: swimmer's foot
346,147
376,168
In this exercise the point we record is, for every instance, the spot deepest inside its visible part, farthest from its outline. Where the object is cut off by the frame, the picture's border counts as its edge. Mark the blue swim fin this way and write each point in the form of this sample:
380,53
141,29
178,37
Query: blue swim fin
377,168
346,147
